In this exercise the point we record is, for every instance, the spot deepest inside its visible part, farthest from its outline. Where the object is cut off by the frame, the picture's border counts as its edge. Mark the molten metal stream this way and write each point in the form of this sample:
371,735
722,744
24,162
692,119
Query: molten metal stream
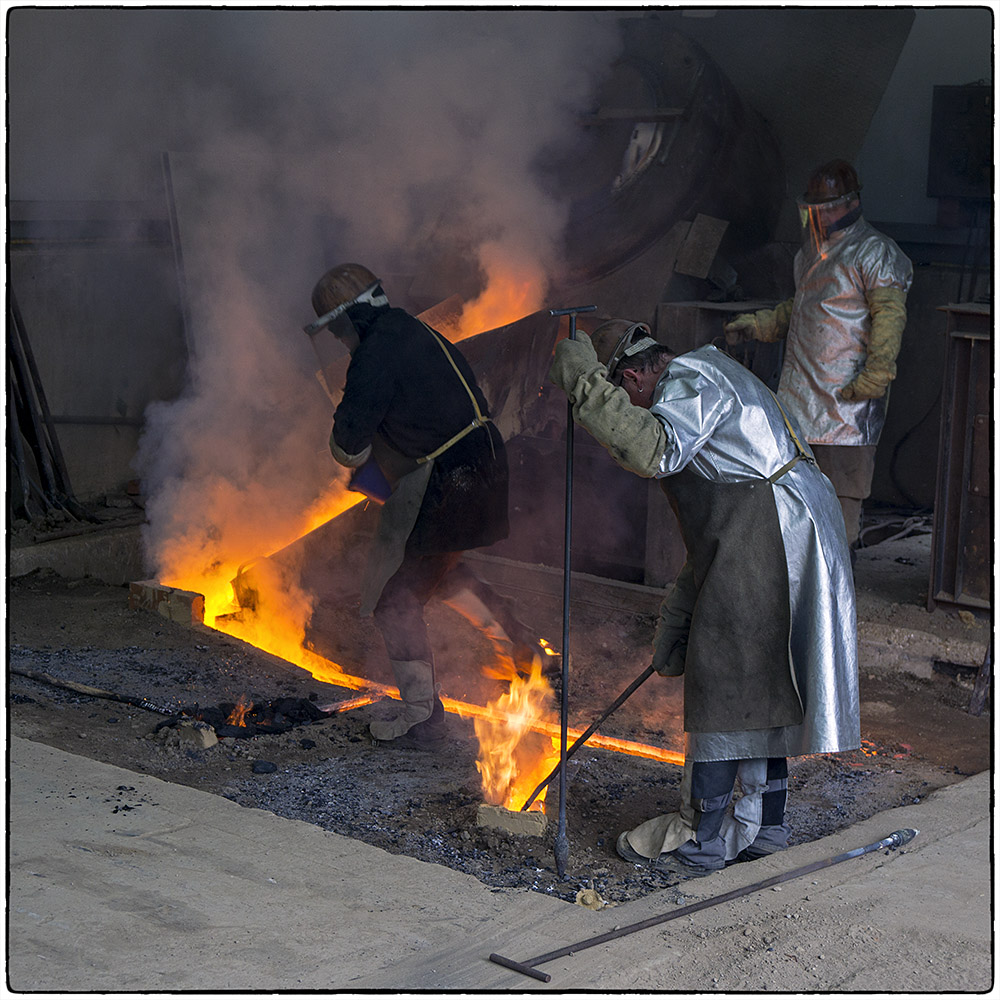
328,671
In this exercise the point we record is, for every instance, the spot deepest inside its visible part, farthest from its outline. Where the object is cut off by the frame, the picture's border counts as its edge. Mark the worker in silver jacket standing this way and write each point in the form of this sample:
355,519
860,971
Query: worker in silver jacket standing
761,620
843,330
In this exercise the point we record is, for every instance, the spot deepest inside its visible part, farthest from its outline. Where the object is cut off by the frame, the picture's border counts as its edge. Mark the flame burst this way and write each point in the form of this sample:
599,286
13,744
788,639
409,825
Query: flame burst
514,289
513,755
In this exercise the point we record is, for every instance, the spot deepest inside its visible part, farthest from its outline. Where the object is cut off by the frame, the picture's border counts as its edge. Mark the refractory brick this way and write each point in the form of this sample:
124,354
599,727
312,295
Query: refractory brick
522,824
184,606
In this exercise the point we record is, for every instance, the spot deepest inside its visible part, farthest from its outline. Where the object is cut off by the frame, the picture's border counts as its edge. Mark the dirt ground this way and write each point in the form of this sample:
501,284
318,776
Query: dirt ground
918,735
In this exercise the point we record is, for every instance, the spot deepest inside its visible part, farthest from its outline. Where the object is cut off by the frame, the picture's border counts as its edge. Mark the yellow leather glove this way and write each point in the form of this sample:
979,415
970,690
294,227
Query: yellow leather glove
671,637
767,325
635,439
572,359
888,311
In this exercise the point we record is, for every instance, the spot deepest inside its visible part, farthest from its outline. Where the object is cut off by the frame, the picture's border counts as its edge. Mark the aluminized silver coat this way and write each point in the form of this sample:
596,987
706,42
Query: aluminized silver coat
828,331
721,423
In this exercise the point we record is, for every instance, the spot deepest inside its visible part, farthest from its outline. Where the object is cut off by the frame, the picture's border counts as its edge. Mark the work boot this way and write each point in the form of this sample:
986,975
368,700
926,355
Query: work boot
415,679
674,863
527,649
769,840
628,853
431,734
668,863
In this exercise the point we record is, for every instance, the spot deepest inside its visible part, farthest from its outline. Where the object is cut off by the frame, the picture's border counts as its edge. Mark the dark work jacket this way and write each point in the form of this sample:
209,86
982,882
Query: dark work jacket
403,397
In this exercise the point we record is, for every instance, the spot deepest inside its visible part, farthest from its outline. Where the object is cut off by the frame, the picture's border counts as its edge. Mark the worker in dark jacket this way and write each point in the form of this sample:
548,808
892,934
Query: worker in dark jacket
413,417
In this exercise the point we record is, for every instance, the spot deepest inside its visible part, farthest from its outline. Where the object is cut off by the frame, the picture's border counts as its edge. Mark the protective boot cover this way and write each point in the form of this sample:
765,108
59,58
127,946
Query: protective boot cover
415,679
739,827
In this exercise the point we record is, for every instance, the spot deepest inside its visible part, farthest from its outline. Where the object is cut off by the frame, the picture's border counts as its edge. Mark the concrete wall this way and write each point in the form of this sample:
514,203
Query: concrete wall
103,322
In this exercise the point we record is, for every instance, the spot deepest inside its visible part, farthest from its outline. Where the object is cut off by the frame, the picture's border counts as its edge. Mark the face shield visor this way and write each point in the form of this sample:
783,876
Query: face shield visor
820,219
373,294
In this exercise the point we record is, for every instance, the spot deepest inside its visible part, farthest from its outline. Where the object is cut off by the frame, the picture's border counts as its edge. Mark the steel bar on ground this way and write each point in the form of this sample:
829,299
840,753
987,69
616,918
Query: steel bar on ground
93,692
894,840
587,733
562,840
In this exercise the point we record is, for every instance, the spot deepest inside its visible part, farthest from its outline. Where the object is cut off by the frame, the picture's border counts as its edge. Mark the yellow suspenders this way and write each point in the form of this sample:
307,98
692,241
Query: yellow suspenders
800,451
479,421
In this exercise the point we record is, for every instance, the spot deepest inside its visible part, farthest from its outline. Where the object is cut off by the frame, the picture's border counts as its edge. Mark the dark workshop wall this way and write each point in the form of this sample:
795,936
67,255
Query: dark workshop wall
100,299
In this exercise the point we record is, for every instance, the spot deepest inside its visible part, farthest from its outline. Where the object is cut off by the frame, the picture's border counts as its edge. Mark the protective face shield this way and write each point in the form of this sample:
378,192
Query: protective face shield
829,201
820,220
339,289
617,340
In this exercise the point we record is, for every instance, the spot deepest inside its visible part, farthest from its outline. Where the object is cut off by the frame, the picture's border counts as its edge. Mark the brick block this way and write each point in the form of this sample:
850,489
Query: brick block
522,824
184,606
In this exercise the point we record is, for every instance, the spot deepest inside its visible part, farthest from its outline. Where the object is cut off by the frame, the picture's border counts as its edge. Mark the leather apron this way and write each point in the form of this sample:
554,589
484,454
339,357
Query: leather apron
737,671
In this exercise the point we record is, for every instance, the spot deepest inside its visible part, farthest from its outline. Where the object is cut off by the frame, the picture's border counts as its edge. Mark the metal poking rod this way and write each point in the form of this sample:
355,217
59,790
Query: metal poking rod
562,842
583,737
897,839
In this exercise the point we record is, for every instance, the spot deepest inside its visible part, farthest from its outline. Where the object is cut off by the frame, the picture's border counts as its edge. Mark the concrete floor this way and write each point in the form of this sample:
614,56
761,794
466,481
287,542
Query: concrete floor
183,891
121,882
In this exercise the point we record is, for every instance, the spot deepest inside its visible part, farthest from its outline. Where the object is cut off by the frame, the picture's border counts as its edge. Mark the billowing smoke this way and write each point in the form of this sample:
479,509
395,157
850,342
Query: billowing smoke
300,139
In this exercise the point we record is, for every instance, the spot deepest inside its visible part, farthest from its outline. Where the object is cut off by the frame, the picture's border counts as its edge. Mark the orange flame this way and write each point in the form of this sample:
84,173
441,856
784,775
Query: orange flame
237,717
513,756
514,289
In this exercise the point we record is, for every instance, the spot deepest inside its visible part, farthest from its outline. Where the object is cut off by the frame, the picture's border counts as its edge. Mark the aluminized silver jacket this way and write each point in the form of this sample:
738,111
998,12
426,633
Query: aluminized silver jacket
721,424
827,341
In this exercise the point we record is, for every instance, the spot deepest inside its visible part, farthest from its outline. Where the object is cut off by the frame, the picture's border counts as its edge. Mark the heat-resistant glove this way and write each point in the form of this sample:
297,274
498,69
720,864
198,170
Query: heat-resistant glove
351,461
635,439
888,311
671,637
572,359
767,325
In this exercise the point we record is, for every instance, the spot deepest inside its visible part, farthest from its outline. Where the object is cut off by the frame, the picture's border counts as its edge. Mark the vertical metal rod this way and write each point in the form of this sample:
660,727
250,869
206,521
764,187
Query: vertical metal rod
175,239
562,840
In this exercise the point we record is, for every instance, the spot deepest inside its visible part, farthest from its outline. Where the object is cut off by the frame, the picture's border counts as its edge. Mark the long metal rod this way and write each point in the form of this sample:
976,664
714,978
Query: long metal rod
562,840
897,839
584,736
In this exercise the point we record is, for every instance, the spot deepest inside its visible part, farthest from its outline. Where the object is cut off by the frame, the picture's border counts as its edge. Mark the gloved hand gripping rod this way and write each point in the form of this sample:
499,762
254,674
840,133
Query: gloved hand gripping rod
897,839
562,843
583,737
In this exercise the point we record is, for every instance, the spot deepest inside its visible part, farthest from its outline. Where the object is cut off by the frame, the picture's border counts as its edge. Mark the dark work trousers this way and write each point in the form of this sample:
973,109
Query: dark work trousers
399,614
712,786
850,468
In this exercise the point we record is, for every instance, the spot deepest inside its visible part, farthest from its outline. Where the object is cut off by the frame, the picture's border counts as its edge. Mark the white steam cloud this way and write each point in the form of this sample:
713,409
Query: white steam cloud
299,139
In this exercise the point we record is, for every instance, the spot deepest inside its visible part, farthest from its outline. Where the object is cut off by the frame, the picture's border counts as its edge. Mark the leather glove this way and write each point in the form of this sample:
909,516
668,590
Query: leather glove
671,637
767,325
350,461
635,439
865,386
741,329
888,312
573,358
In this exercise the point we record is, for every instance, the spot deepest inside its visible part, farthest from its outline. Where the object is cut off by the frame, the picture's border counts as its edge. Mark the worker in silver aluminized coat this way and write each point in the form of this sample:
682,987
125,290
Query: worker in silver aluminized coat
843,330
761,620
